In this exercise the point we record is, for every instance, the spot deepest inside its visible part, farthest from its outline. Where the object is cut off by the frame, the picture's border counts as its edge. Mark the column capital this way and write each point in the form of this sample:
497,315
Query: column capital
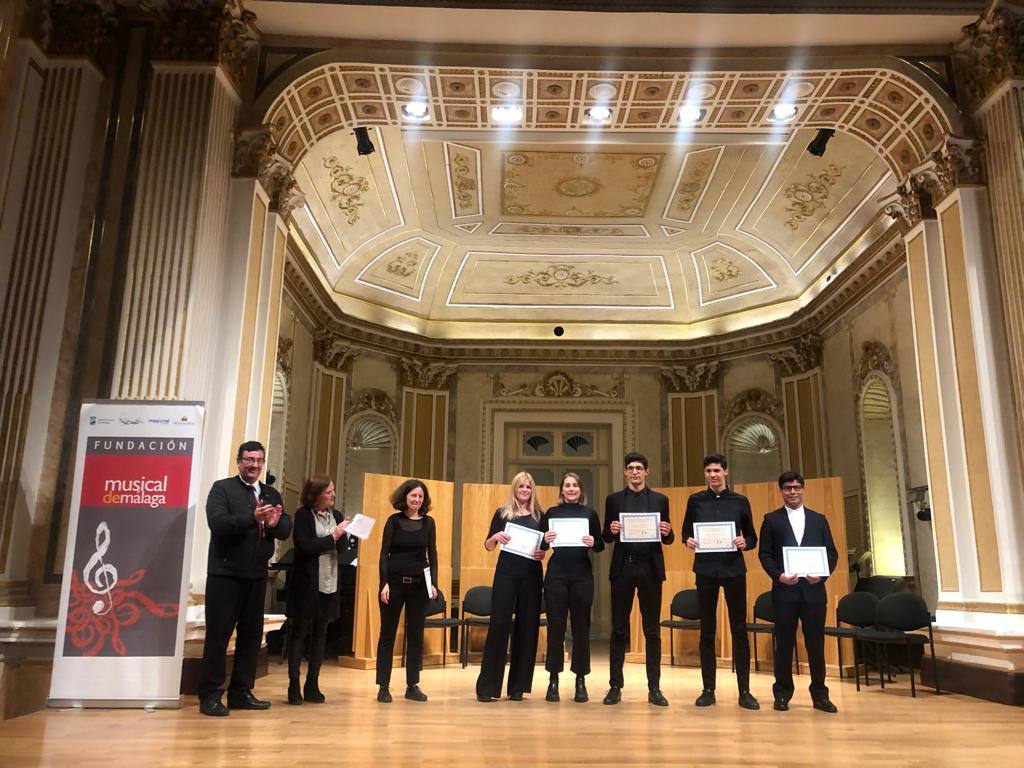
992,50
332,350
698,377
256,156
800,357
909,205
426,375
82,28
957,163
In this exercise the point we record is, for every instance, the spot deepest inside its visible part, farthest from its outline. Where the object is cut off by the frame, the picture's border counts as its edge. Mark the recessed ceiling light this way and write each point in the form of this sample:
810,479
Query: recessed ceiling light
782,113
507,113
689,114
597,114
416,110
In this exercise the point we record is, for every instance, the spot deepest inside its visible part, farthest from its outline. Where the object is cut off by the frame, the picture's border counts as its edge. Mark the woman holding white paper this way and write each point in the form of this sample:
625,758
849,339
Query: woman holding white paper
313,597
516,590
569,583
408,549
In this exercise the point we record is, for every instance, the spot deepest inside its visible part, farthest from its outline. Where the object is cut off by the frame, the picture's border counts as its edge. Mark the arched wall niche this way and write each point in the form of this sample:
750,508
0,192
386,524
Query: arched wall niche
371,445
755,447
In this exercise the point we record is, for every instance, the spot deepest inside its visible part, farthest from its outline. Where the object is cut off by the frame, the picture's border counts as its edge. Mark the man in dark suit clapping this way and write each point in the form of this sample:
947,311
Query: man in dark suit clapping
794,597
244,518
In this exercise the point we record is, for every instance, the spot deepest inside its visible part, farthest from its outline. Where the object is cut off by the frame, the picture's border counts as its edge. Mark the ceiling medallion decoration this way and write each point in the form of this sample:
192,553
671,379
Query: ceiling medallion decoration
578,186
346,188
424,375
804,355
557,384
810,197
404,265
724,270
560,276
699,377
752,401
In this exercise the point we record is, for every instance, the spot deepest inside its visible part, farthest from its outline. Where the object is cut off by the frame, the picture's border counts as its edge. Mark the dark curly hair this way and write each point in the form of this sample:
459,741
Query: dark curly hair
399,494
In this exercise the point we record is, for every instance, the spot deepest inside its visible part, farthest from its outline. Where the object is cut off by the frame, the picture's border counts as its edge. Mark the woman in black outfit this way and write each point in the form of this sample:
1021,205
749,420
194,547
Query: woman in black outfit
408,548
516,589
569,587
313,597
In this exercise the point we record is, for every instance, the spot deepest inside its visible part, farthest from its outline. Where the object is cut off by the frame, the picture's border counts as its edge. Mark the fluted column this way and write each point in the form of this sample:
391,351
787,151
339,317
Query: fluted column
425,418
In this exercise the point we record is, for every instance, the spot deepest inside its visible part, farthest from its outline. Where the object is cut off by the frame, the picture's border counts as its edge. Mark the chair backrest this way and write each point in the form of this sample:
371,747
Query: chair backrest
858,609
436,605
879,586
477,602
904,611
763,608
685,605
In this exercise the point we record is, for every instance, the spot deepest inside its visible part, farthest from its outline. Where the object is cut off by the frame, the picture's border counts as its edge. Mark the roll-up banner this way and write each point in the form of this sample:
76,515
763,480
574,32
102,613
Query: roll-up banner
121,626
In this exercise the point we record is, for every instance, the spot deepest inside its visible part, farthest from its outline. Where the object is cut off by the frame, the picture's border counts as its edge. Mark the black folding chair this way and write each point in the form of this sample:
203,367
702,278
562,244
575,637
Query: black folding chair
476,612
898,616
764,610
686,608
858,610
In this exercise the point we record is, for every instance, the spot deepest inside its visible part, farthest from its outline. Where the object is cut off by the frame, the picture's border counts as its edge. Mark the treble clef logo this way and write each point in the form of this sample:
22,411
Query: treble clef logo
100,578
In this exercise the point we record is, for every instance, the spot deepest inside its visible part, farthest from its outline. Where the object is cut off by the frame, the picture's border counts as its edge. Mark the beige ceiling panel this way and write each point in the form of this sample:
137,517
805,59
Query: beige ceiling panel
692,183
540,229
724,272
562,281
462,165
403,269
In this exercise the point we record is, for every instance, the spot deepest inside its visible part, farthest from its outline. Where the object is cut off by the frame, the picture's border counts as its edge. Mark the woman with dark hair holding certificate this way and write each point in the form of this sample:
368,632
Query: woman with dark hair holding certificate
573,531
408,550
516,590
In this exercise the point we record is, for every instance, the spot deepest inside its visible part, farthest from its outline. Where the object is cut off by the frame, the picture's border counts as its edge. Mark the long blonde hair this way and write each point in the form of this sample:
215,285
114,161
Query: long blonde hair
511,508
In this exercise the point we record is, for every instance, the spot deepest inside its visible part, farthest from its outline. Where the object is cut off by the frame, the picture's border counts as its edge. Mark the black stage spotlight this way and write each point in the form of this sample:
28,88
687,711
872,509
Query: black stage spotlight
363,144
817,146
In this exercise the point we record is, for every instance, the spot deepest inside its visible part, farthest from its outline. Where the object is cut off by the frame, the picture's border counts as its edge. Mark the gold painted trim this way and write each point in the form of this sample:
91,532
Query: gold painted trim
980,607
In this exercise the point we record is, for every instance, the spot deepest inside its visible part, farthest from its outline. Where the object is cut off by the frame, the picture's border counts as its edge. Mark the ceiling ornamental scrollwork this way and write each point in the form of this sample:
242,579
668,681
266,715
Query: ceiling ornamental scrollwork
374,401
332,351
874,358
957,163
558,384
347,189
256,156
811,195
909,205
992,50
698,377
426,375
802,356
752,401
560,276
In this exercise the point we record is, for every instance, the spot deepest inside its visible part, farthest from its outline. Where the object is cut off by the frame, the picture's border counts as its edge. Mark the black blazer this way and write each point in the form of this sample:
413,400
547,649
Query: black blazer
236,548
613,505
304,579
776,533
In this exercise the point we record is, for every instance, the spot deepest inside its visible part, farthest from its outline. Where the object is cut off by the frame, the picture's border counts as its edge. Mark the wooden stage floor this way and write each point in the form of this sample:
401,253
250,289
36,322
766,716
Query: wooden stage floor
873,727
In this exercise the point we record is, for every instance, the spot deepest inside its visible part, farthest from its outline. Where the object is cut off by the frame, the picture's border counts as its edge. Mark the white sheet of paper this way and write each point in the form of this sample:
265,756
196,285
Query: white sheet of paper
715,537
570,530
639,527
805,561
429,583
525,541
360,526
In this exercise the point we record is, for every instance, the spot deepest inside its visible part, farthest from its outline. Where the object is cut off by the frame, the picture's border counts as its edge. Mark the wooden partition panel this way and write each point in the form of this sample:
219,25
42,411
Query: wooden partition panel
377,491
822,495
476,564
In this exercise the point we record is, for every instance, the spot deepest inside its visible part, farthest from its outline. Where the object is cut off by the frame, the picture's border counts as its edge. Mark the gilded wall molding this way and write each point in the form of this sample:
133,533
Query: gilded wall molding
992,50
801,357
375,401
874,358
558,384
909,205
256,156
332,350
698,377
752,401
426,375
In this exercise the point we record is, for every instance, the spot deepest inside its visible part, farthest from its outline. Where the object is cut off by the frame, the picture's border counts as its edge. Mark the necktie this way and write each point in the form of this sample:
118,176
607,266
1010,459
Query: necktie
259,523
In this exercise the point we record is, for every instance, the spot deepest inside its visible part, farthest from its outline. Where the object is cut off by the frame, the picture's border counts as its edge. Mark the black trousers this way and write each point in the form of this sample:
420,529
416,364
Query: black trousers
519,595
736,600
302,626
412,595
231,603
565,595
812,617
639,578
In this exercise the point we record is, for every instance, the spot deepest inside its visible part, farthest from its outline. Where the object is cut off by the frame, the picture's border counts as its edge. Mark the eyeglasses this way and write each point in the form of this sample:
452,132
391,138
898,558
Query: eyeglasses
247,460
635,469
792,488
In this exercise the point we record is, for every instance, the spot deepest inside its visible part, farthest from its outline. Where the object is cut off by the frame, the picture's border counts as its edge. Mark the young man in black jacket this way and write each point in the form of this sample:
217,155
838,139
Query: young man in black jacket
245,518
721,570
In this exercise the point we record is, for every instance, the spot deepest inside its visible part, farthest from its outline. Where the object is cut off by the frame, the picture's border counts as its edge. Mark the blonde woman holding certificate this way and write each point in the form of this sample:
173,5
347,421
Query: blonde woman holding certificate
516,590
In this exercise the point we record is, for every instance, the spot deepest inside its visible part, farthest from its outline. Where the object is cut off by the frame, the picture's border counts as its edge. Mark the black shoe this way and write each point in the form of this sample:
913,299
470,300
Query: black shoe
294,691
212,706
825,706
413,693
485,699
581,690
706,698
552,694
384,695
515,696
747,701
614,695
657,698
311,691
245,700
781,705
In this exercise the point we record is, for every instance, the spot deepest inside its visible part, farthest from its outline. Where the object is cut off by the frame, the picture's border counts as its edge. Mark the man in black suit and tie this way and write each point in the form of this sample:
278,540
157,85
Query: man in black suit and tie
636,568
721,570
244,518
795,597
